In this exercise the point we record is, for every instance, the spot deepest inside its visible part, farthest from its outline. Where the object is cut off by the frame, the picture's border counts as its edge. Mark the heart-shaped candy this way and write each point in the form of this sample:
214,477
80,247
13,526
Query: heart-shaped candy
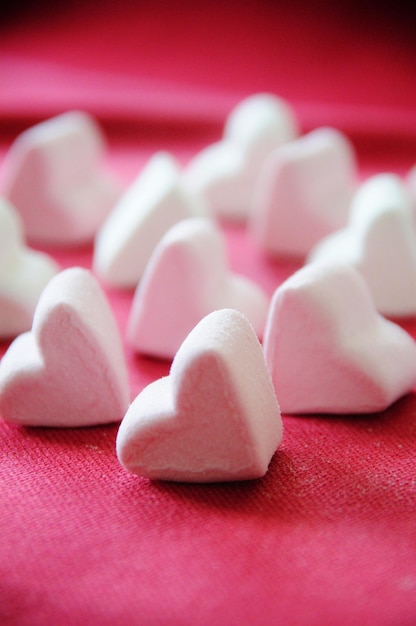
186,278
69,370
154,202
329,350
225,172
304,193
55,177
380,242
411,182
214,418
23,274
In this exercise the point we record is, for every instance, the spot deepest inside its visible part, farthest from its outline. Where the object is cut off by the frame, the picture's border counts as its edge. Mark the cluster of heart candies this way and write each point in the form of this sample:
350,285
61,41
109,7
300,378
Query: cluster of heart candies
322,343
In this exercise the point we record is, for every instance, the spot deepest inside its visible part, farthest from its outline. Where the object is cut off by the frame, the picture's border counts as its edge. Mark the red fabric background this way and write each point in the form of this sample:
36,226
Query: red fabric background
328,536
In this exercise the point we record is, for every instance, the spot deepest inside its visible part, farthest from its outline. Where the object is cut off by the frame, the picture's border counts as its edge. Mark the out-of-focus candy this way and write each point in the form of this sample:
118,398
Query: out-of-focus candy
304,193
23,274
54,175
154,202
380,242
225,173
186,278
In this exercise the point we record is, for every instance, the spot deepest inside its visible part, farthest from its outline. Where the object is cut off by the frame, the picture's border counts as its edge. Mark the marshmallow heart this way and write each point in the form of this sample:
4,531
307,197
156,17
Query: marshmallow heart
411,182
380,242
155,201
225,172
69,370
214,418
186,278
327,348
23,274
304,193
54,176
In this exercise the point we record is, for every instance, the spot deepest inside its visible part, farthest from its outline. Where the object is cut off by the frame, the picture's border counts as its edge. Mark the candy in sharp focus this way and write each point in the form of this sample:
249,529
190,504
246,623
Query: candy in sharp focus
304,193
23,274
225,172
380,242
154,202
214,418
55,176
186,278
69,370
329,350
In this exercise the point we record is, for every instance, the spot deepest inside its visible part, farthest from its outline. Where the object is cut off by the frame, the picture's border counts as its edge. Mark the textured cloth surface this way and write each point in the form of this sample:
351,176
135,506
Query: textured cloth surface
328,536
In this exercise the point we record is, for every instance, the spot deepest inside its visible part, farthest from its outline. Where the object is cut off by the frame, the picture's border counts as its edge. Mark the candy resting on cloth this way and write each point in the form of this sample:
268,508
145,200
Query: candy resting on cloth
214,418
327,348
69,370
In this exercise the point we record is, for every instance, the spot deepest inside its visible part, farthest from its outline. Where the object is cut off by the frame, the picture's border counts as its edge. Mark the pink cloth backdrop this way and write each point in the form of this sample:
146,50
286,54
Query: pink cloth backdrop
329,535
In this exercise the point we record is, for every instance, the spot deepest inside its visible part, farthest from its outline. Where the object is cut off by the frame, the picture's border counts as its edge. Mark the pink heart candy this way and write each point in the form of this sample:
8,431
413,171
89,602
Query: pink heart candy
327,348
23,274
225,173
69,370
156,200
303,193
380,242
188,277
214,418
54,175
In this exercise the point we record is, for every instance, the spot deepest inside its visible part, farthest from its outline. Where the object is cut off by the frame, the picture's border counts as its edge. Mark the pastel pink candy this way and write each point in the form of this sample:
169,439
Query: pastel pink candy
380,242
69,370
225,172
23,274
327,348
411,182
54,174
154,202
186,278
214,418
304,193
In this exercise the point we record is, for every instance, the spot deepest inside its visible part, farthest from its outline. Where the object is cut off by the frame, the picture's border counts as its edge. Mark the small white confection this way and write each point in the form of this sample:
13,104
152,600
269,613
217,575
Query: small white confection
23,274
380,242
186,278
304,193
327,348
225,173
69,370
55,177
154,202
411,182
260,121
214,418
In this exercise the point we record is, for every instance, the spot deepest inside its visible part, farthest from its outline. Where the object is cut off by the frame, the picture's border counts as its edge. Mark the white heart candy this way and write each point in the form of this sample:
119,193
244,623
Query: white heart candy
186,278
214,418
225,173
23,274
54,175
327,348
380,242
154,202
69,370
304,193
